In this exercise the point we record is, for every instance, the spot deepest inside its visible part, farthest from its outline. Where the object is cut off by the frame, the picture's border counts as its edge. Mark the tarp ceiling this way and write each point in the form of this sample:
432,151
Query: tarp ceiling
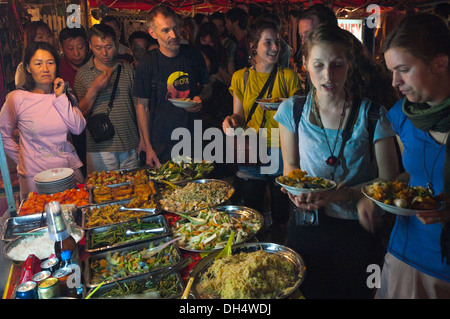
223,5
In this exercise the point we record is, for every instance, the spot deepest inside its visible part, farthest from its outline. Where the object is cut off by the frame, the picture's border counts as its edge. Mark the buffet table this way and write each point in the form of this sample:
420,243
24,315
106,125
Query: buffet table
10,271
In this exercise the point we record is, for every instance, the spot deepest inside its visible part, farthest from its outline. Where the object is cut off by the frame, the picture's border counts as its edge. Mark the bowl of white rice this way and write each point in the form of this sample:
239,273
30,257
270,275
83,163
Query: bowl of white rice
41,246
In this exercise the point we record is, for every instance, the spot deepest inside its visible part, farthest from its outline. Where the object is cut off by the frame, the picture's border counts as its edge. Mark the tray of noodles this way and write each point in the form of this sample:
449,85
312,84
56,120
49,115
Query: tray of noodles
400,199
252,271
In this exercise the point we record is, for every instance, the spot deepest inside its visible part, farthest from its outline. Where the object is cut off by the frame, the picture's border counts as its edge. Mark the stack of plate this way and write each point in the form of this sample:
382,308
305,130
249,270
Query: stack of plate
55,180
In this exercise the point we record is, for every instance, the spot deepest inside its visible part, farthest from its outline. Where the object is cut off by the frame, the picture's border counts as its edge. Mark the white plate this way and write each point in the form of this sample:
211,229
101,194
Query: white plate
183,104
298,190
394,209
272,105
53,175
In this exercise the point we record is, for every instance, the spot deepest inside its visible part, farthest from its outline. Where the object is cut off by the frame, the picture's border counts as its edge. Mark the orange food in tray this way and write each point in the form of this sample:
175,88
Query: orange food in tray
36,202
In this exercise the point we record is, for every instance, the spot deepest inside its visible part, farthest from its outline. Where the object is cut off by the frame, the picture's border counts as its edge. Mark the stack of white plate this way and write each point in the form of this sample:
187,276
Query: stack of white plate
55,180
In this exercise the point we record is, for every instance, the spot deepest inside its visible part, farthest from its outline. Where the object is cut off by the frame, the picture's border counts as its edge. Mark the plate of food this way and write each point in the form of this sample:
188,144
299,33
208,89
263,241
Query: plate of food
399,198
213,227
251,271
272,102
298,182
183,103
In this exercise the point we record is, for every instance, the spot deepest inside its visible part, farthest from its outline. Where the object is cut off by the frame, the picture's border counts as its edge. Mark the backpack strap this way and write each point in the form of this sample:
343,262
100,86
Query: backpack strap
373,117
154,72
297,110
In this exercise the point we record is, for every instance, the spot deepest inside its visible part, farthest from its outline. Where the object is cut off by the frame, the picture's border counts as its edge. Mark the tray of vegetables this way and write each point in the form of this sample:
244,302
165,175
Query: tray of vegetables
121,263
181,171
211,228
126,233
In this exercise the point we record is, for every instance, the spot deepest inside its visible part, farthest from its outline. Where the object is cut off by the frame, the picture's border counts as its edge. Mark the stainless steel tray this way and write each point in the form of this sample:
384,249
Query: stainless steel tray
74,230
280,250
151,211
233,211
122,171
26,223
139,279
199,181
160,219
88,277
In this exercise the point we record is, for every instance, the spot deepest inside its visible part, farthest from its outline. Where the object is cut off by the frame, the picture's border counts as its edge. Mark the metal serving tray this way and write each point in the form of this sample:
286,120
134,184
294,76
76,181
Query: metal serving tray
122,172
26,223
167,192
160,219
75,230
283,251
139,279
151,211
137,247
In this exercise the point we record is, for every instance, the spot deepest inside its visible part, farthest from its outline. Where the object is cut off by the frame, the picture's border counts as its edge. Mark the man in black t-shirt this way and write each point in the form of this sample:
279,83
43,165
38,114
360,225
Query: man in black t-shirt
170,71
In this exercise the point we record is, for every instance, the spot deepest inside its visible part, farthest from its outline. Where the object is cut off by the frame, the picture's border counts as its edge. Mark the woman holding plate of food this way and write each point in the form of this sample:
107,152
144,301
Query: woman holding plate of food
338,250
417,264
265,78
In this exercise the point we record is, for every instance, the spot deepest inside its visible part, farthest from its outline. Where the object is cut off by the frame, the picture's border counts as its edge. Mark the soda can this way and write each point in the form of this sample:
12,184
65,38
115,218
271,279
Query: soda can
50,264
63,274
40,276
49,288
27,290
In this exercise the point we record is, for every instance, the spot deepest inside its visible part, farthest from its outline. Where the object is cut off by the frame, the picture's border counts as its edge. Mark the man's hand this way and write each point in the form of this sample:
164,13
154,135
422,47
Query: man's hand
152,159
101,82
197,107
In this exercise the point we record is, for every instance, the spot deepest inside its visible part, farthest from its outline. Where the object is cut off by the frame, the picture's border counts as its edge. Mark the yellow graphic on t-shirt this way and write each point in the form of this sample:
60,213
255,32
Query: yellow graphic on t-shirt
178,85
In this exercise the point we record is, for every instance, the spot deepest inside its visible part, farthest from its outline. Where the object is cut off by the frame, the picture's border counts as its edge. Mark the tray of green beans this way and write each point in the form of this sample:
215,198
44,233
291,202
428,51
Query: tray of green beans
127,233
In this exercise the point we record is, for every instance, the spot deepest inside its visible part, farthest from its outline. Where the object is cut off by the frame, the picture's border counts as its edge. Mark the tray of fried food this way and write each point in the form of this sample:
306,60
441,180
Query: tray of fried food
102,194
104,178
35,202
119,211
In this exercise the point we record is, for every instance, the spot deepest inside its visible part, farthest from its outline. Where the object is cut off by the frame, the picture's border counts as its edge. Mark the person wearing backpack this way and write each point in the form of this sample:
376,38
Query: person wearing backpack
332,140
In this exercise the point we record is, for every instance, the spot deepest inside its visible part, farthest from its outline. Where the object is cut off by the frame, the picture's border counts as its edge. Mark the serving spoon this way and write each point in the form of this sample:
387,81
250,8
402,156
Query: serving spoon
130,232
149,210
153,251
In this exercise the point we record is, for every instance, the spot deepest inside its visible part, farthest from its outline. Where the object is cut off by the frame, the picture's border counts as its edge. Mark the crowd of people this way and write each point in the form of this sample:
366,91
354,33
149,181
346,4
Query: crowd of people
346,116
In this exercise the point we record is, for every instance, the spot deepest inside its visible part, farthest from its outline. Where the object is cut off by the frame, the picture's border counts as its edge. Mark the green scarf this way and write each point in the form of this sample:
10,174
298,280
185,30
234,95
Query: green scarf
436,118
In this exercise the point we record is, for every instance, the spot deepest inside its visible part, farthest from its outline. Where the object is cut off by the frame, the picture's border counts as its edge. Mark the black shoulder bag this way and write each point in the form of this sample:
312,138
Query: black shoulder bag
240,153
99,125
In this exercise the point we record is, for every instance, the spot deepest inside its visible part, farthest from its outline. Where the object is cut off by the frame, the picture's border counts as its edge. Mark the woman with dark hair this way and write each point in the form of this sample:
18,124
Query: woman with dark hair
35,31
417,264
247,84
338,250
44,116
